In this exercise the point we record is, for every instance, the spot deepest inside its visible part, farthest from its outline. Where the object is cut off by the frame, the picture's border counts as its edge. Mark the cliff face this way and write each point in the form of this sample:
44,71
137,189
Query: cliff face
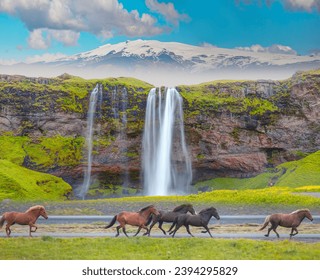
233,129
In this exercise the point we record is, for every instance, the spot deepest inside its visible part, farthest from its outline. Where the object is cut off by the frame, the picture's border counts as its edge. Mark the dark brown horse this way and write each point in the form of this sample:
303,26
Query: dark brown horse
200,220
27,218
169,216
137,219
292,220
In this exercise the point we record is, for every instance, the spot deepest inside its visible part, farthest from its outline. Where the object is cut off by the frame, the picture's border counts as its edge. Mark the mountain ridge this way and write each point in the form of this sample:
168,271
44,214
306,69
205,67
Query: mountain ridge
163,63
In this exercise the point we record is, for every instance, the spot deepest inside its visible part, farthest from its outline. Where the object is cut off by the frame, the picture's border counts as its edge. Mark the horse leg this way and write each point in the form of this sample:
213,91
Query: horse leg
147,230
118,230
208,230
188,230
274,229
124,231
160,226
152,225
293,234
175,230
138,231
269,229
30,229
8,230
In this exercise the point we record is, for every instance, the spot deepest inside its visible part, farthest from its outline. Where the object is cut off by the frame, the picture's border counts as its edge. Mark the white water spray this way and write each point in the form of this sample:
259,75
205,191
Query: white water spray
96,95
166,162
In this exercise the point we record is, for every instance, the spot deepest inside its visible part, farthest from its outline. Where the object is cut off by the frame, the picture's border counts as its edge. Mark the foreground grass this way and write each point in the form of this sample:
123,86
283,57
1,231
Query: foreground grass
47,248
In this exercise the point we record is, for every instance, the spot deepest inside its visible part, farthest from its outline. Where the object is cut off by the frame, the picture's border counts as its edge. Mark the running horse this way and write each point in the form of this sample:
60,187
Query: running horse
137,219
292,220
200,220
169,216
27,218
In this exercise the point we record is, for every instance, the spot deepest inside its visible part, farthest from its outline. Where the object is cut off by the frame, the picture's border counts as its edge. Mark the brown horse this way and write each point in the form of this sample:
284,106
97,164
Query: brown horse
27,218
292,220
137,219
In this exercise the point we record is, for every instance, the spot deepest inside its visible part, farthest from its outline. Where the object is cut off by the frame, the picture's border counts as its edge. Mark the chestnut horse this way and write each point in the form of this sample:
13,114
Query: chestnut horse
292,220
27,218
137,219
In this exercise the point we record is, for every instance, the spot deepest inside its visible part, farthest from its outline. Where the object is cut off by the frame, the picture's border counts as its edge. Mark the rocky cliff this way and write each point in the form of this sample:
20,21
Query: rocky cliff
233,128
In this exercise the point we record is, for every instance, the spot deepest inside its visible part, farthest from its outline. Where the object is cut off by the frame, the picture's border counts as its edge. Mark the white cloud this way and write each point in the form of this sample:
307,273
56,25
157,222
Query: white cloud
37,40
63,20
272,49
47,57
168,11
306,5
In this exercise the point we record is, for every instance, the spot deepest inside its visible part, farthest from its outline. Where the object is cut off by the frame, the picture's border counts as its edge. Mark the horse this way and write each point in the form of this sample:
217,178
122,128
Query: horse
169,216
137,219
292,220
27,218
200,220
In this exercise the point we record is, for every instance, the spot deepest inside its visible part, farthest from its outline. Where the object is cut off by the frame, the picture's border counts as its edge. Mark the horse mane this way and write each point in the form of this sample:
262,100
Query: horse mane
207,209
145,208
178,208
300,210
36,207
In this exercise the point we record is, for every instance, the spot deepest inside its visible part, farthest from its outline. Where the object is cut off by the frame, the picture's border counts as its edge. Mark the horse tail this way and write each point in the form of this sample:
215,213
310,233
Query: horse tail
266,222
2,221
112,222
150,218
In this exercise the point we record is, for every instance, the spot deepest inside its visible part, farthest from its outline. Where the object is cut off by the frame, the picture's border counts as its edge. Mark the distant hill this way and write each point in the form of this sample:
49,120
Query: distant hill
19,183
299,173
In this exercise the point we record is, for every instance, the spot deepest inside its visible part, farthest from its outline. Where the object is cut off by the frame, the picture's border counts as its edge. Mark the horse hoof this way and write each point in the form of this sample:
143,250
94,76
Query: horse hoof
266,235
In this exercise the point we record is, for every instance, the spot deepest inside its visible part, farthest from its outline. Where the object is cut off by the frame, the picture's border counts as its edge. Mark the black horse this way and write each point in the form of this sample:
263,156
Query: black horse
200,220
169,216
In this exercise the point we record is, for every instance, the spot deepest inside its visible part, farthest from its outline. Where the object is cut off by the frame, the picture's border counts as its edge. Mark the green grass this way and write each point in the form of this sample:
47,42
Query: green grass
303,172
225,95
48,248
19,183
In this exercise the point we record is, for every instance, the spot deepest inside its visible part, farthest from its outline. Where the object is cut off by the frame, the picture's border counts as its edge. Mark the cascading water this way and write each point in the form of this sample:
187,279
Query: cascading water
166,163
95,96
119,105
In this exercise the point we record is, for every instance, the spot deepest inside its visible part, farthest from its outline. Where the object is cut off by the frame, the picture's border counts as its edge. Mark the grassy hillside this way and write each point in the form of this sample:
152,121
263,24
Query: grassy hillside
303,172
19,183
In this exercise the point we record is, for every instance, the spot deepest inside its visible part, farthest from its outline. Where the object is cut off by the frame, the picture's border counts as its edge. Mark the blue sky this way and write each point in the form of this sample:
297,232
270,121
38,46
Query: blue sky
55,27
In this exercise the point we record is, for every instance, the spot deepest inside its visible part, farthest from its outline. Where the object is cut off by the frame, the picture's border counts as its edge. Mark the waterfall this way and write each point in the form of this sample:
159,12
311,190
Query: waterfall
95,96
166,162
119,106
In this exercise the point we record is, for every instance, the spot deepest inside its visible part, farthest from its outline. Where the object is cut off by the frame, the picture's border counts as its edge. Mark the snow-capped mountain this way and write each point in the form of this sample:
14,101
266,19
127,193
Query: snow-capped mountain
168,63
195,58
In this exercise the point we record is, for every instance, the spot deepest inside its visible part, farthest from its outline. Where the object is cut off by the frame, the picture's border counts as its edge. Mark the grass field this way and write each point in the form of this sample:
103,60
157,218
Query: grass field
142,248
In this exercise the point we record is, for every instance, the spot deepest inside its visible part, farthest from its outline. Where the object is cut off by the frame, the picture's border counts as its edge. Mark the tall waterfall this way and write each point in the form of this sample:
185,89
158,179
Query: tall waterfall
166,162
95,96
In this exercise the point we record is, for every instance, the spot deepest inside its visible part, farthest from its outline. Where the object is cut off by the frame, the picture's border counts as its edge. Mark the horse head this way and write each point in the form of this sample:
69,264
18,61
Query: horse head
308,214
215,213
40,210
151,210
185,208
191,209
212,211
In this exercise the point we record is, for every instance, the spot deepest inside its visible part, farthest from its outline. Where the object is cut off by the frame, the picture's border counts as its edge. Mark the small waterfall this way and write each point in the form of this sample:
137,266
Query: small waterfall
166,163
119,106
123,134
95,96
